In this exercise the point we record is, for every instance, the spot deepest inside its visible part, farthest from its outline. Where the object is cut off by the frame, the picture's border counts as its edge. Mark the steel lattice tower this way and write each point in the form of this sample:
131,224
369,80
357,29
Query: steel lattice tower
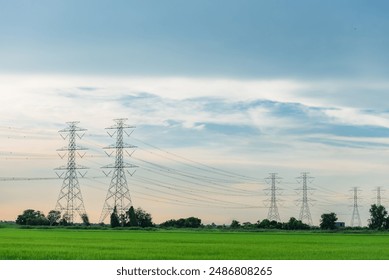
118,193
305,213
70,199
378,199
356,219
273,214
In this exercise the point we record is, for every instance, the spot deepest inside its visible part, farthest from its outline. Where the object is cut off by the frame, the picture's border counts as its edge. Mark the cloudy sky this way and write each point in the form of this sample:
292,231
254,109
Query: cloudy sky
223,91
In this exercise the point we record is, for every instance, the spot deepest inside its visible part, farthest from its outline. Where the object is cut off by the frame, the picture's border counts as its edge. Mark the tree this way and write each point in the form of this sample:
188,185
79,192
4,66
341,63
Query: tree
123,219
378,216
264,224
386,223
32,218
85,219
133,222
65,221
54,217
295,224
192,222
235,224
247,225
144,219
115,218
169,223
328,221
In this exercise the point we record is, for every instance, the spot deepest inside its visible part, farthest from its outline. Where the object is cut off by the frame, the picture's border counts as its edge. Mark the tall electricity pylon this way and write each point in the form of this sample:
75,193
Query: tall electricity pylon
273,214
356,219
305,214
70,199
118,193
378,190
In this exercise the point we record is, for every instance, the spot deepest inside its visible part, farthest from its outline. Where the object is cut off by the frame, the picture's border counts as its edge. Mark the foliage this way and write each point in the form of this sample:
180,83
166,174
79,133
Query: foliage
248,225
328,221
115,219
378,217
54,217
143,218
191,222
133,222
132,218
267,224
292,224
85,219
295,224
235,224
32,217
66,220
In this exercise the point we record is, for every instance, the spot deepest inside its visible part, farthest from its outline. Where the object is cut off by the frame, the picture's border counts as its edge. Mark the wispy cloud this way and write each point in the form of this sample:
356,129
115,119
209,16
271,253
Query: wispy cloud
278,105
357,117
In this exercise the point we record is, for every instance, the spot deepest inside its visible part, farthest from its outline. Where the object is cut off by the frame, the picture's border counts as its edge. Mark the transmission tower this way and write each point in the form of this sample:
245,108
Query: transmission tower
305,213
356,219
378,190
118,193
273,214
70,200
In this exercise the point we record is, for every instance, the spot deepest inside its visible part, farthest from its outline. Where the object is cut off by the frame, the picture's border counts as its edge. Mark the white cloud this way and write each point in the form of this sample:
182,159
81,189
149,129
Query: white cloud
352,116
37,101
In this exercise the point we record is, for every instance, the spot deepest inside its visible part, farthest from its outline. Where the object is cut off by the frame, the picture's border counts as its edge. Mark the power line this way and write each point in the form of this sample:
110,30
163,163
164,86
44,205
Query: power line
194,180
201,166
197,197
4,179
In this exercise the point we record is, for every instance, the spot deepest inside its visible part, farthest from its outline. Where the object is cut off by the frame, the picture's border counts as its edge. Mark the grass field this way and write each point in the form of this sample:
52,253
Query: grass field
64,244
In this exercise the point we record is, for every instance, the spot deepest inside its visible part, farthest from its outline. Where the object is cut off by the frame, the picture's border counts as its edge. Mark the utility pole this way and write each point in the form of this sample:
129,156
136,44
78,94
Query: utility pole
118,193
70,200
305,214
273,214
356,219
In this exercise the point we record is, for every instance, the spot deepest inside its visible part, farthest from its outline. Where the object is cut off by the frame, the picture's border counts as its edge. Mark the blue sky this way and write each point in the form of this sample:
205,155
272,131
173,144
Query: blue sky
314,39
248,86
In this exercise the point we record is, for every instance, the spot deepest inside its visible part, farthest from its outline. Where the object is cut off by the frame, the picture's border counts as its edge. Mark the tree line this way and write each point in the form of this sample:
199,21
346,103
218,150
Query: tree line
133,217
31,217
379,220
292,224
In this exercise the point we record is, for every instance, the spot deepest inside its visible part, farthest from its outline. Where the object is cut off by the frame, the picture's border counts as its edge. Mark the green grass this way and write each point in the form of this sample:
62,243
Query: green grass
73,244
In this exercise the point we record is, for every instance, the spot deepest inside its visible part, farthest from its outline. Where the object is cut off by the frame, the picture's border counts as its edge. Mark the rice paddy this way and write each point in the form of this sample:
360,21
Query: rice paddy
72,244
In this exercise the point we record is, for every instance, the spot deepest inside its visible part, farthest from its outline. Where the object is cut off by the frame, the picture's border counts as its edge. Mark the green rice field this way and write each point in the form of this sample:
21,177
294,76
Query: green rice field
71,244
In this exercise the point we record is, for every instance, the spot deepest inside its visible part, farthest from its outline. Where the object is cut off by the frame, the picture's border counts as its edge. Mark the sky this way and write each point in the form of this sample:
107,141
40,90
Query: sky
246,87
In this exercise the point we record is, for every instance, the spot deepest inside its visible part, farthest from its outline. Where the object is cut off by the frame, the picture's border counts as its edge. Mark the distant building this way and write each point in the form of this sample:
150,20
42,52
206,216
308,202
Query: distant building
340,224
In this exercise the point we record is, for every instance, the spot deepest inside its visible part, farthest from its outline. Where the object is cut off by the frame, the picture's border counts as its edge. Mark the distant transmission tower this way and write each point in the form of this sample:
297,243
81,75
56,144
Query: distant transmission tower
273,214
70,199
356,219
118,193
378,190
305,214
